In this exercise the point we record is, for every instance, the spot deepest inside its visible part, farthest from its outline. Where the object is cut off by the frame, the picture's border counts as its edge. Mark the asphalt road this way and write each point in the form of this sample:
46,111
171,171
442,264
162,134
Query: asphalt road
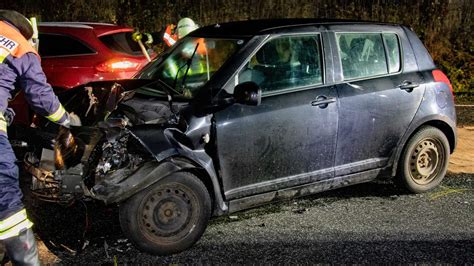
367,223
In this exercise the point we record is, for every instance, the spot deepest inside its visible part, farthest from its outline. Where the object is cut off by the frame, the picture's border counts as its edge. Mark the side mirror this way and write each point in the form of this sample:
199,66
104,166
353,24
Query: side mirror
248,93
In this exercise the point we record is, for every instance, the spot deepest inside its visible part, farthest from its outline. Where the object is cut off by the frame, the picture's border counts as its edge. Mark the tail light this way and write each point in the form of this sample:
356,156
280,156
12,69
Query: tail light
118,65
439,76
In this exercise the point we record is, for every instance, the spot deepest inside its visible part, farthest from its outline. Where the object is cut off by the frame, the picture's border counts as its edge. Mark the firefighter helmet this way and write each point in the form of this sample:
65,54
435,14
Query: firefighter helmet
19,21
185,26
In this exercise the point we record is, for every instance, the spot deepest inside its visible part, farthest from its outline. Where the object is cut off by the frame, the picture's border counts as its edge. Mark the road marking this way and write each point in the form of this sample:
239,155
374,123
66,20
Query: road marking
447,191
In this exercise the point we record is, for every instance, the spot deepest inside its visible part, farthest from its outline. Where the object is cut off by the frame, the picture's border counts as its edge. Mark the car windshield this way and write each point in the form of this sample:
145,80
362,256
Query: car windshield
190,65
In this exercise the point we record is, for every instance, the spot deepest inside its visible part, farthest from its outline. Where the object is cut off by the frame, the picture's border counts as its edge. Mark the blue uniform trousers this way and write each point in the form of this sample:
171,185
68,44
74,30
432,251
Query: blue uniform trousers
10,193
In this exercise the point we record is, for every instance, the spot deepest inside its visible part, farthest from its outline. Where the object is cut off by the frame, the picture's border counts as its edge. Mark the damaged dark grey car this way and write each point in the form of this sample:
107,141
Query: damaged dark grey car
246,113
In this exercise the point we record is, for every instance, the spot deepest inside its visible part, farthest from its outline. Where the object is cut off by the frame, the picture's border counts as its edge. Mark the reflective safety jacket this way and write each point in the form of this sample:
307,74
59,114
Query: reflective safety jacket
170,38
20,67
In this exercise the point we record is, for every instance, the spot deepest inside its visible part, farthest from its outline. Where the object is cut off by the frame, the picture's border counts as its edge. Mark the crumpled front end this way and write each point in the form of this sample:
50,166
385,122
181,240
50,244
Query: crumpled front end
71,172
89,161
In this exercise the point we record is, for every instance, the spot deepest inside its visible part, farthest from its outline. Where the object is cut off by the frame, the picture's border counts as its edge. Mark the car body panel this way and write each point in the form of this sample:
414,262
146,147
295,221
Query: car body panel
369,130
292,142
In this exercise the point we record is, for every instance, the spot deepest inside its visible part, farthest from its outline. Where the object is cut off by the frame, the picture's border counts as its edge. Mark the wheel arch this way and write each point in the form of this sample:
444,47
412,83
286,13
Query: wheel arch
169,146
152,172
201,173
448,130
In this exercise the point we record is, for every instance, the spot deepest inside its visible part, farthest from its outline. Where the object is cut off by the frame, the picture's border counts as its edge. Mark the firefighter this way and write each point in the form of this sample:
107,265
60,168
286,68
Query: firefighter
173,33
20,67
169,37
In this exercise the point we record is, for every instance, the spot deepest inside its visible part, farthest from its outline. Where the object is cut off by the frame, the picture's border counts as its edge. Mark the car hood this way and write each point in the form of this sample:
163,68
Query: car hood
95,101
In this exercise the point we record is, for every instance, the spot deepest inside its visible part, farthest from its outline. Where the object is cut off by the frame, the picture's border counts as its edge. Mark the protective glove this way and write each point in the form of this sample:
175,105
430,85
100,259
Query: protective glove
75,121
71,120
9,116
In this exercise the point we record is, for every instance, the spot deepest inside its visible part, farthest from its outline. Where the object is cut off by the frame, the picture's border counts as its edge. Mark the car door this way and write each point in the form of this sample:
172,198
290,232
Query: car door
290,138
379,94
67,61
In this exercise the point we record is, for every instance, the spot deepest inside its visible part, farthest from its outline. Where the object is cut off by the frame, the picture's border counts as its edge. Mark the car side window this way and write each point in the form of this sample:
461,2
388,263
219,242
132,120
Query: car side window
285,62
61,45
362,54
393,51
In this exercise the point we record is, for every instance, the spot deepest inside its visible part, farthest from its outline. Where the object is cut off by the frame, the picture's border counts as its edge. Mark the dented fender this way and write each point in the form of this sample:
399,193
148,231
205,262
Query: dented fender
172,152
119,189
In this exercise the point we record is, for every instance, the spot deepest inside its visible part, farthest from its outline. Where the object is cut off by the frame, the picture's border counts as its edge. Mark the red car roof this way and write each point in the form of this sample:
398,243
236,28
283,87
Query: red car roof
98,28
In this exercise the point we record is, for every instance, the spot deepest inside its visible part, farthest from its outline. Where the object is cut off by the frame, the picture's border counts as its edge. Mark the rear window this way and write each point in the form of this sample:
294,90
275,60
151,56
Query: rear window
61,45
368,54
393,51
121,42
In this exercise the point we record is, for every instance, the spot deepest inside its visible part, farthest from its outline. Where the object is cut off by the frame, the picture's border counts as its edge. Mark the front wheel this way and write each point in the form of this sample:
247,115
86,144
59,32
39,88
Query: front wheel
424,161
168,217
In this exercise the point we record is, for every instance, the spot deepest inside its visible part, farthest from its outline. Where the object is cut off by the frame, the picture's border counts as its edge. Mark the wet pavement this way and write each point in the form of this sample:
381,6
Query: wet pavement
367,223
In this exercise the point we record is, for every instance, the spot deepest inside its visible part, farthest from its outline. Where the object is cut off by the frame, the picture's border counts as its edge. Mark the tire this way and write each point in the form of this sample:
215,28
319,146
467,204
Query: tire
169,216
424,160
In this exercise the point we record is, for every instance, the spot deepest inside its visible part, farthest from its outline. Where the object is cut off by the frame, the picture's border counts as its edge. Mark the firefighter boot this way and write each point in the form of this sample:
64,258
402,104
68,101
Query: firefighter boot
22,249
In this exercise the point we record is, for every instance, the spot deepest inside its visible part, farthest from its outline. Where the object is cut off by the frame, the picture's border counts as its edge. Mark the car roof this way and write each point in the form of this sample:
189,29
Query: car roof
257,27
98,28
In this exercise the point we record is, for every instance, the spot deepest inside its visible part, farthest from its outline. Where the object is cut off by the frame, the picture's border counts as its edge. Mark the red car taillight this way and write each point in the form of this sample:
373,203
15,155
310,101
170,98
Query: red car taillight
439,76
117,65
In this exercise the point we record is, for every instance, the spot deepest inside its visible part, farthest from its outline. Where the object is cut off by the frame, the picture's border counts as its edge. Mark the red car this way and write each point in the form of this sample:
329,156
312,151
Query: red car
75,53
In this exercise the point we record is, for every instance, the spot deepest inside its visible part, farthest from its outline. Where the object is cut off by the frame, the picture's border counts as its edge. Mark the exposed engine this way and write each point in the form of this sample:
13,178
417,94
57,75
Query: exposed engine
115,156
69,172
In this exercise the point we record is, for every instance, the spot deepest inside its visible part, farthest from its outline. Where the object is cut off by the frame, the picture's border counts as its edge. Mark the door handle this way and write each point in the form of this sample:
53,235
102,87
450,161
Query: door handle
323,101
408,85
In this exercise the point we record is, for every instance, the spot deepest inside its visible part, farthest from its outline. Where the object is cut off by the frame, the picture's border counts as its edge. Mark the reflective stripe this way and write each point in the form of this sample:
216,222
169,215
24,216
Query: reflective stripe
14,224
15,231
57,115
13,220
3,54
168,38
3,124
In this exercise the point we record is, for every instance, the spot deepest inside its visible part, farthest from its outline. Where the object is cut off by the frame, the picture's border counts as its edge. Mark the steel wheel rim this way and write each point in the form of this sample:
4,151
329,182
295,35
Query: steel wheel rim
169,213
426,161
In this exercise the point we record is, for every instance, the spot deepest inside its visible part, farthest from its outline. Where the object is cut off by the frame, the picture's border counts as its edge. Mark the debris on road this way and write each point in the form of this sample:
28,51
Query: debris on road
86,243
71,251
300,211
106,247
446,191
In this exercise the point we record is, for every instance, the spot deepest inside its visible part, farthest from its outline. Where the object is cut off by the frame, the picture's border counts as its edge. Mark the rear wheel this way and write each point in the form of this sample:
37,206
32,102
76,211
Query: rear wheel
168,217
424,161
